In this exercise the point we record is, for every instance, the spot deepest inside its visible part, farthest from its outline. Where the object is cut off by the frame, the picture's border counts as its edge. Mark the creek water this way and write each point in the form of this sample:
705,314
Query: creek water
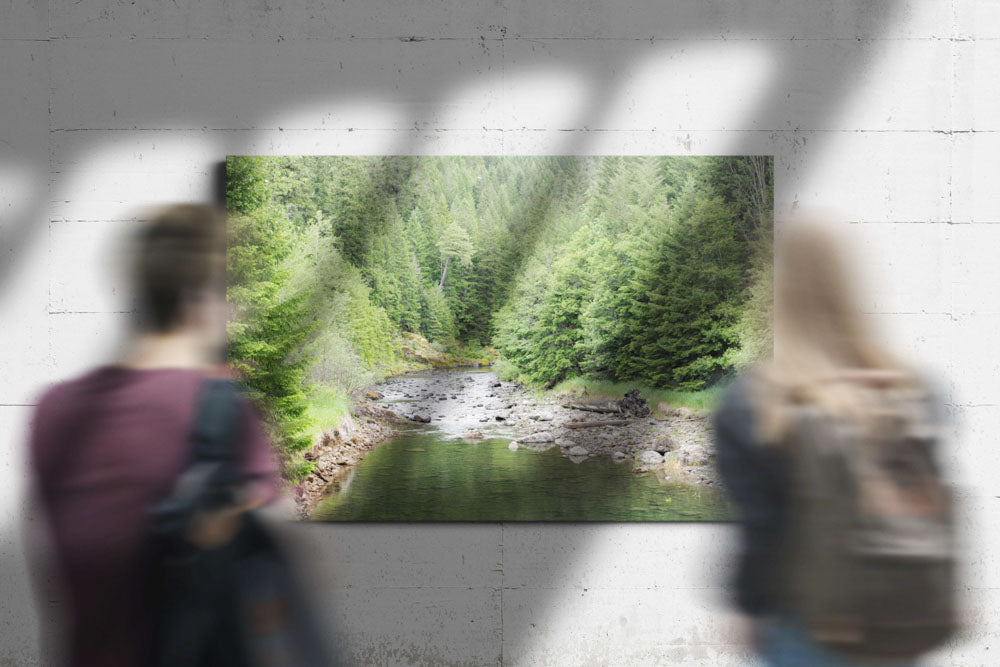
429,472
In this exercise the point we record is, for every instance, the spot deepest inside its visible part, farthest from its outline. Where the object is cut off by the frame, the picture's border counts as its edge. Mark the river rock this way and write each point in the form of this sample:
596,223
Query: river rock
663,443
543,417
565,442
345,429
650,457
539,436
421,417
513,446
618,455
472,434
689,455
578,451
537,446
374,411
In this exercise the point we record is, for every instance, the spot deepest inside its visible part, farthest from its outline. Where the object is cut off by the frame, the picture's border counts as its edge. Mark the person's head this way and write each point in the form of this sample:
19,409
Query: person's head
825,351
178,273
818,324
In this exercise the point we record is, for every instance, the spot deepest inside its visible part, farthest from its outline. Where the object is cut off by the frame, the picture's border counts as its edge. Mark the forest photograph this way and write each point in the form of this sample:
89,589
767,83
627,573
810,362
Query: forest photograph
497,338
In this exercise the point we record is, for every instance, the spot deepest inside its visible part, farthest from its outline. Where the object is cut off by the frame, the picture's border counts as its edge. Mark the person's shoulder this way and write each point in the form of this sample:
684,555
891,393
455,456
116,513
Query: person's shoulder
737,398
63,393
110,377
59,405
735,419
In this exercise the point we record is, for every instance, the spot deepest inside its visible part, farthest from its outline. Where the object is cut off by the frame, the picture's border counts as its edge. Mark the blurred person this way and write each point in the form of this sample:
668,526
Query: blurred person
828,453
124,439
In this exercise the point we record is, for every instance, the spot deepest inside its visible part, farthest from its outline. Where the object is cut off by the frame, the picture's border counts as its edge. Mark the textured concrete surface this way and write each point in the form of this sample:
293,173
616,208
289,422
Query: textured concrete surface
888,111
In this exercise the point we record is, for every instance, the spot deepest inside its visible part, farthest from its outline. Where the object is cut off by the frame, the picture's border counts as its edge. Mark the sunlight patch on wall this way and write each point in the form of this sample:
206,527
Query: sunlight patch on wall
549,96
115,176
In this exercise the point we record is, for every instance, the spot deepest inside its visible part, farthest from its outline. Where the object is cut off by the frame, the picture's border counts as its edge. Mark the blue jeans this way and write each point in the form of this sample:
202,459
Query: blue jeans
787,645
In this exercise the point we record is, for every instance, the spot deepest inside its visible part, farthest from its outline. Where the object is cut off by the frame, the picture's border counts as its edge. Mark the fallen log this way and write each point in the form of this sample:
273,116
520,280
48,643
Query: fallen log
605,422
593,407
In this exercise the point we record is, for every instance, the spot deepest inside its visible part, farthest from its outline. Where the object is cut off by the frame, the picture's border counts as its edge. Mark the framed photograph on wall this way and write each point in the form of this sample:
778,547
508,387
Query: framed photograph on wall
498,338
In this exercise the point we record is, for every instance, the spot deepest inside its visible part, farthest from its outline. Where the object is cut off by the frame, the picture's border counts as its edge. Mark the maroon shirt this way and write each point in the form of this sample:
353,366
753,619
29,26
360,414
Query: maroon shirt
105,448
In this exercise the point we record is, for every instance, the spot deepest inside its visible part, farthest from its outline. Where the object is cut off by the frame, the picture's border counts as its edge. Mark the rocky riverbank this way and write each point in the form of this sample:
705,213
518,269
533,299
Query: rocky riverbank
673,443
676,444
336,452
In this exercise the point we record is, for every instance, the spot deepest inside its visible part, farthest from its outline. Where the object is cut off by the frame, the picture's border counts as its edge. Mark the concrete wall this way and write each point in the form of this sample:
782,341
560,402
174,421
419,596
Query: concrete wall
887,110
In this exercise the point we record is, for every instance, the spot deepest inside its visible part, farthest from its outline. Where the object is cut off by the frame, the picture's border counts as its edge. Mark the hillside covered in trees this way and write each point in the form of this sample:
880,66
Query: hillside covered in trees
654,270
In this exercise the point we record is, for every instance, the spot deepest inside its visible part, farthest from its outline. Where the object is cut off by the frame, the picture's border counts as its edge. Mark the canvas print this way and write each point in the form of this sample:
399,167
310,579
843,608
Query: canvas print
498,338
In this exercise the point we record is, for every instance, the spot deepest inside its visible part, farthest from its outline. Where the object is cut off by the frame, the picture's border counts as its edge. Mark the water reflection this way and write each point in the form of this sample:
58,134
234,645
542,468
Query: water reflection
422,475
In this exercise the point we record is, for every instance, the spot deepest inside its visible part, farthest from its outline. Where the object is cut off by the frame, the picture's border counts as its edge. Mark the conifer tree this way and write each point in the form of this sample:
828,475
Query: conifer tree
271,322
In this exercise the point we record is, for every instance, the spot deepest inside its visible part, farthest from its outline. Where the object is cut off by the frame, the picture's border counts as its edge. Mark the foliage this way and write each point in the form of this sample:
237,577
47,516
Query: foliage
328,404
270,323
703,399
653,270
506,371
692,283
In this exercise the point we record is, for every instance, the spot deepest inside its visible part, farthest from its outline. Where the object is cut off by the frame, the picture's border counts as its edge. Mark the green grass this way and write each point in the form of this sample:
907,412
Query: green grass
327,406
470,351
706,399
505,370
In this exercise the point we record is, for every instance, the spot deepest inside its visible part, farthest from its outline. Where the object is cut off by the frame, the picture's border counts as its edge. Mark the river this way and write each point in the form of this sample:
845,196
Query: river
430,472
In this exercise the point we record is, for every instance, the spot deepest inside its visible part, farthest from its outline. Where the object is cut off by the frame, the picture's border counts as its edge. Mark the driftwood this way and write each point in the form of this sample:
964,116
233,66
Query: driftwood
632,405
594,407
606,422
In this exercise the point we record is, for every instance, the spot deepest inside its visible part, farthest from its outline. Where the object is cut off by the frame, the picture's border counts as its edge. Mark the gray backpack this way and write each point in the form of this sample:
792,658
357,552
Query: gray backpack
870,567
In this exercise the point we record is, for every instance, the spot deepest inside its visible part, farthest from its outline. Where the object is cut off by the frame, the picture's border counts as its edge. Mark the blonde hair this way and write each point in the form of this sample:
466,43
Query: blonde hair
825,352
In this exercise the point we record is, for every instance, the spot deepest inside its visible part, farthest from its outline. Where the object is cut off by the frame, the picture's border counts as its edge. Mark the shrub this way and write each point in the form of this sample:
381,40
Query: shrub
505,370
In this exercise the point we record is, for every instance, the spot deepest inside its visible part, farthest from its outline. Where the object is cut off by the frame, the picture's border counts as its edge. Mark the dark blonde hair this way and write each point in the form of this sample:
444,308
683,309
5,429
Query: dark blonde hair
825,351
179,254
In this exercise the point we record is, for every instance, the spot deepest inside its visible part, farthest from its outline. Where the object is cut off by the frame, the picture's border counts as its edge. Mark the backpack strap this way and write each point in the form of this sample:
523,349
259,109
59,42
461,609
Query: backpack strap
213,443
210,478
214,431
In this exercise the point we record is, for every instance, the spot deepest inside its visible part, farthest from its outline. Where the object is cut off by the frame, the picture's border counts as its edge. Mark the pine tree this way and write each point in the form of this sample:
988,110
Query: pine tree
455,244
693,283
271,322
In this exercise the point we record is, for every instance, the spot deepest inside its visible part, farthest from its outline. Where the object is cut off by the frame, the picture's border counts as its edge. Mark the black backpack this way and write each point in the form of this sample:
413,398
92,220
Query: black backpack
239,604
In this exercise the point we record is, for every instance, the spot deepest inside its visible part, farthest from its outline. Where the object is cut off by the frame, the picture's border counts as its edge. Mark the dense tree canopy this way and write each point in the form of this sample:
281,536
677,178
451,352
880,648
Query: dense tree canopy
654,269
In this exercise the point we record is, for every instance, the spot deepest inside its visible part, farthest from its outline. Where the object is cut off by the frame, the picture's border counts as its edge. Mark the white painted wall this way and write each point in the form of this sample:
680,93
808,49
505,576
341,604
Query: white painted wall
887,110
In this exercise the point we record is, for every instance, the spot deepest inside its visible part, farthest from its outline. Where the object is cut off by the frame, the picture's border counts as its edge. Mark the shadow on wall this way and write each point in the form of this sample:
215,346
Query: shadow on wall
456,594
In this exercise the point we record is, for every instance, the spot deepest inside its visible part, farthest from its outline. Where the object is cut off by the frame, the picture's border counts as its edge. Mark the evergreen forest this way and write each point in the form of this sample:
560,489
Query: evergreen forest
343,270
